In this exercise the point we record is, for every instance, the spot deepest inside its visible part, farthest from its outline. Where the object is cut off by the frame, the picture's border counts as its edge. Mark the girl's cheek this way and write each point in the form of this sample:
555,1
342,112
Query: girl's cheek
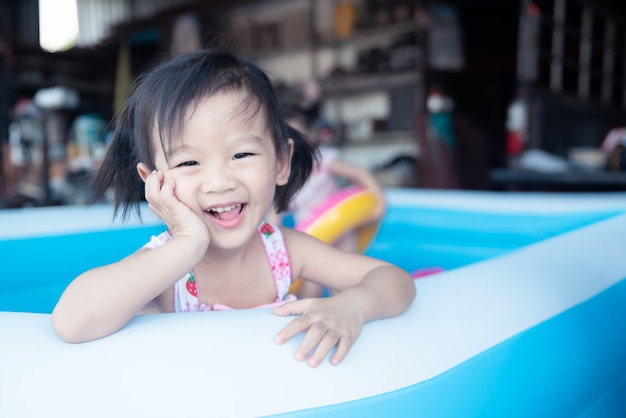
183,183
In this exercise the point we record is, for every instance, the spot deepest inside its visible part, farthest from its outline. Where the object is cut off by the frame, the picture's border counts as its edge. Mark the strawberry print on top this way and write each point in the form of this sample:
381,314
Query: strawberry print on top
191,285
266,230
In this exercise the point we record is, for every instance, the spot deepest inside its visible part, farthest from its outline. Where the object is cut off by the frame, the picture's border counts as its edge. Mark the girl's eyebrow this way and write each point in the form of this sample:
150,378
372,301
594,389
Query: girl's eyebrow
174,149
244,139
249,138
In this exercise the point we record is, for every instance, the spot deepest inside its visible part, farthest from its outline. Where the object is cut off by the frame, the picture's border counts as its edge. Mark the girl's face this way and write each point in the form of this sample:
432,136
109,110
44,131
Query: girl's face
225,167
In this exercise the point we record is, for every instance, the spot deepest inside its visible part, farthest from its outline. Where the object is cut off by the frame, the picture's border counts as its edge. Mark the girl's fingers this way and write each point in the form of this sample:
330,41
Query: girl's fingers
343,348
160,193
292,329
167,191
312,338
296,326
291,308
153,186
323,333
324,346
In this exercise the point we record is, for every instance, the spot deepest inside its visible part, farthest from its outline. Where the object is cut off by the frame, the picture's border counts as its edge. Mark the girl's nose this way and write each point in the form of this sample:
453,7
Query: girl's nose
217,179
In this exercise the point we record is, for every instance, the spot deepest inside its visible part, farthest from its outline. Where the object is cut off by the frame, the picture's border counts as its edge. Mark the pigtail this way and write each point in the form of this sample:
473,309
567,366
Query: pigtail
305,156
119,168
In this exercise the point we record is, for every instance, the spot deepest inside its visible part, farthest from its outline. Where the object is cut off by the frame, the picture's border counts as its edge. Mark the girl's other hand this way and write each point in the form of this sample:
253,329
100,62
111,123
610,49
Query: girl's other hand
162,200
379,210
329,322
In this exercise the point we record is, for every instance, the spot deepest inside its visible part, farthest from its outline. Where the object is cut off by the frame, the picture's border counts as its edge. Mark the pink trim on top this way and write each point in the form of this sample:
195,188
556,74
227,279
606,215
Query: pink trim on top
288,298
328,205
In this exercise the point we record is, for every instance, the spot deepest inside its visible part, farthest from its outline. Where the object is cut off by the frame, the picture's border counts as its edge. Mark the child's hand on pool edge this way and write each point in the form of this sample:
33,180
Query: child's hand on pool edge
329,322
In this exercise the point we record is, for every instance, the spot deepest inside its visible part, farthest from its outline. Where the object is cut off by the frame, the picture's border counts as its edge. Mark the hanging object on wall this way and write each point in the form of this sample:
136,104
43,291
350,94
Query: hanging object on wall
528,43
123,76
345,17
517,125
445,39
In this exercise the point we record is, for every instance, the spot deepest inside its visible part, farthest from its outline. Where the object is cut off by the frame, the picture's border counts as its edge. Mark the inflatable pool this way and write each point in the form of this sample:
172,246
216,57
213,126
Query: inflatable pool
528,318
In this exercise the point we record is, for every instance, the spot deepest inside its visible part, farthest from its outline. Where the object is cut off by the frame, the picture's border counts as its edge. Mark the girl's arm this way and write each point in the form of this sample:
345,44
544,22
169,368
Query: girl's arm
101,301
368,288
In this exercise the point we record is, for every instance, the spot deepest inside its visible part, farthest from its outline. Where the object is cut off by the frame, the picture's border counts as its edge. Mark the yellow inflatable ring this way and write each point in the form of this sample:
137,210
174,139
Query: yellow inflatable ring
349,209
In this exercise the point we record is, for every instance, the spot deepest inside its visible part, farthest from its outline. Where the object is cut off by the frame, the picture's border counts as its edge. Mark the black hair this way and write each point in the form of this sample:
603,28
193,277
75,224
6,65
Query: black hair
159,101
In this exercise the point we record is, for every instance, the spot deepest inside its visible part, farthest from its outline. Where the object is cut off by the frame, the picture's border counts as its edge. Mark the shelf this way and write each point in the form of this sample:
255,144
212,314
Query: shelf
375,34
356,84
577,180
384,138
378,151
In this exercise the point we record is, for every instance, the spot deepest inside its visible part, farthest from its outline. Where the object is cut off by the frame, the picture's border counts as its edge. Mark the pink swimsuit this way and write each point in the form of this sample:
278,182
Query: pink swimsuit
186,292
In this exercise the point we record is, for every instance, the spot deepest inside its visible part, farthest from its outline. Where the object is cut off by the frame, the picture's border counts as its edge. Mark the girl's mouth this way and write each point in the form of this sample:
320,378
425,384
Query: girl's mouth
225,213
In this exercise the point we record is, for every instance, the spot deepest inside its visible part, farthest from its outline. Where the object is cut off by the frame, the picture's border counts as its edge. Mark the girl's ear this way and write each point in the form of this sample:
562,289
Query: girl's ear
144,171
283,168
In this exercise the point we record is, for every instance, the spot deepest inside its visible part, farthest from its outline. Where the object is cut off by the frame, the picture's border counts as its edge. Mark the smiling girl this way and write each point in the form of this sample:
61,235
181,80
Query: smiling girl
203,140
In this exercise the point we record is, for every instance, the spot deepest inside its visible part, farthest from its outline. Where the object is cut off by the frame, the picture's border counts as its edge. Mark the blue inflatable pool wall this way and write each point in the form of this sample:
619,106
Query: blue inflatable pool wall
410,236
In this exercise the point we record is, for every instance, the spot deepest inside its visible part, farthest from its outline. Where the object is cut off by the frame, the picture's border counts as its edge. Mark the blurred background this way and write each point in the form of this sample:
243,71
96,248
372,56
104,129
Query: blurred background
458,94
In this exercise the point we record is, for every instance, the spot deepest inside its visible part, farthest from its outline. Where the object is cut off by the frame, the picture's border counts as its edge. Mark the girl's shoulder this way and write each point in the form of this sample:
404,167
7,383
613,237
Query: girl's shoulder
319,262
300,242
288,232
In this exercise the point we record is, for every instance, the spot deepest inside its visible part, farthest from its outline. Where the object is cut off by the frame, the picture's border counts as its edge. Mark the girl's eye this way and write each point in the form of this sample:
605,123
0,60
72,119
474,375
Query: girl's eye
241,155
188,164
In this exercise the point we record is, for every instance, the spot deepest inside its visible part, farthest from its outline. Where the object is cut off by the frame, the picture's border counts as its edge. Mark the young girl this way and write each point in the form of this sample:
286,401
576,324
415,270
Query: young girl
324,182
205,134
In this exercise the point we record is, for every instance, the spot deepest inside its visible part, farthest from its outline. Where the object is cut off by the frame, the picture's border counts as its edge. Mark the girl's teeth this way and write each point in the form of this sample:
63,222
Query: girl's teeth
226,209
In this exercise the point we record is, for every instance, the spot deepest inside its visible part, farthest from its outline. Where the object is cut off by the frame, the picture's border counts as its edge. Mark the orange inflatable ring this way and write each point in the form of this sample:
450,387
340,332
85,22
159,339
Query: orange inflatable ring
349,209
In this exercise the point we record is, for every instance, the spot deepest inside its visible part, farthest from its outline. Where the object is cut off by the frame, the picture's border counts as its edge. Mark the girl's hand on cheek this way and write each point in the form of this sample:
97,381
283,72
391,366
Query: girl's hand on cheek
162,200
329,322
